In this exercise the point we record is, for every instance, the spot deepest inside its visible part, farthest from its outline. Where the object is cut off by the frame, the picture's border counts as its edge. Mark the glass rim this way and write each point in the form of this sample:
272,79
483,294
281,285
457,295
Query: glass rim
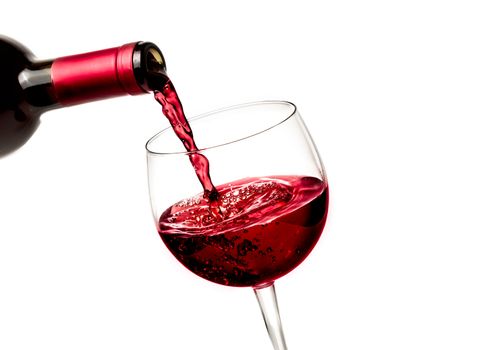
216,111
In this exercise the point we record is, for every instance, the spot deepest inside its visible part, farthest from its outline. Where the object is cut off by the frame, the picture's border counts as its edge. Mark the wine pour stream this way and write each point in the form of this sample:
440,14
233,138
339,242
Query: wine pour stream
172,109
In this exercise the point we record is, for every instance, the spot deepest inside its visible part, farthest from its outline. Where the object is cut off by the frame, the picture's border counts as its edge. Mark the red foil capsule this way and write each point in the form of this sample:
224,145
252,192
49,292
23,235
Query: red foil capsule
95,75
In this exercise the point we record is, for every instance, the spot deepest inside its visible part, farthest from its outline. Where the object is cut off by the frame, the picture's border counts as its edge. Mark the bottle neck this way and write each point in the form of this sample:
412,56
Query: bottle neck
92,76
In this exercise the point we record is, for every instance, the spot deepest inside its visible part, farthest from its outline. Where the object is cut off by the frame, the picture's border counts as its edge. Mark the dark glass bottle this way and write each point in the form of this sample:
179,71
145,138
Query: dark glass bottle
30,87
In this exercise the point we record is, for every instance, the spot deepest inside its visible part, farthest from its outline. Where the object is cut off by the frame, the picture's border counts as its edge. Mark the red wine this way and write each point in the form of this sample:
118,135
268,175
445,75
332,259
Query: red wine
30,87
268,226
245,233
172,109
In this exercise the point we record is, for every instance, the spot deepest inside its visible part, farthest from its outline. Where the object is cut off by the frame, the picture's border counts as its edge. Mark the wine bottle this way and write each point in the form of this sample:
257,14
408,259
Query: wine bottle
30,87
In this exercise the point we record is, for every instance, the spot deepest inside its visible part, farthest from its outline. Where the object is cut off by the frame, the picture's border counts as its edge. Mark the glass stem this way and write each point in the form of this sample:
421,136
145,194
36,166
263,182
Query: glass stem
267,299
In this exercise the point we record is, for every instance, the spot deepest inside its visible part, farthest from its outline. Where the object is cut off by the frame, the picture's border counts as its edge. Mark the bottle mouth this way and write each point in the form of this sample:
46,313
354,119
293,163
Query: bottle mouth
149,66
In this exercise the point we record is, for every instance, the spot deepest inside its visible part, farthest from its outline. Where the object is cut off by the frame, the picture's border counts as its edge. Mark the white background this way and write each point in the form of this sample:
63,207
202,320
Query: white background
399,96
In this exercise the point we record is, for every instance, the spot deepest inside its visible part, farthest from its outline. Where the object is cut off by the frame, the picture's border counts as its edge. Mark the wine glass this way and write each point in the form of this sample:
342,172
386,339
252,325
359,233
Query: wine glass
271,206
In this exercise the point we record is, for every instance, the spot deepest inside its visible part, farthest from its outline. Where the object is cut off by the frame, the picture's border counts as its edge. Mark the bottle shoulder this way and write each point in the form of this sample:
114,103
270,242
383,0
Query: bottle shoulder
14,55
16,126
13,59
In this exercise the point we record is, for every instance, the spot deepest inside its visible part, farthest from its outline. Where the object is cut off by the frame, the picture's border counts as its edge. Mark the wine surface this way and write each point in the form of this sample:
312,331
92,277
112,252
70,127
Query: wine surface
266,227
